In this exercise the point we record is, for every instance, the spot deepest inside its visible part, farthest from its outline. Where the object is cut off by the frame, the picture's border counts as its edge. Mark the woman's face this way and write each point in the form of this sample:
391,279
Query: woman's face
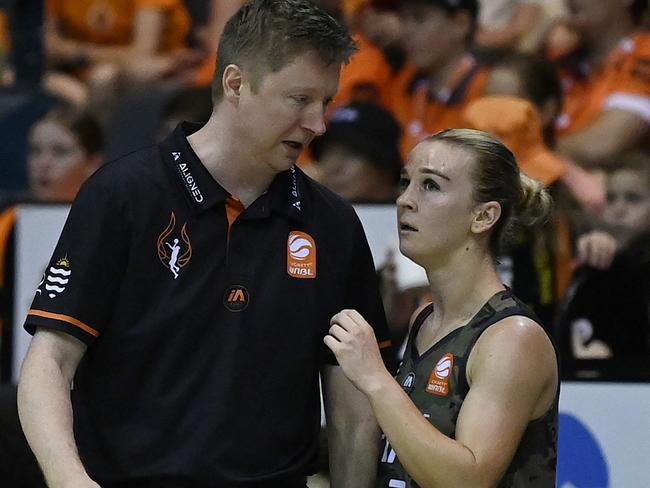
627,209
436,206
57,162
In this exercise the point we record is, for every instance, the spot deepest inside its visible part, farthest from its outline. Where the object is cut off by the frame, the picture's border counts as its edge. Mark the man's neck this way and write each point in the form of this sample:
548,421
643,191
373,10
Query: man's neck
228,162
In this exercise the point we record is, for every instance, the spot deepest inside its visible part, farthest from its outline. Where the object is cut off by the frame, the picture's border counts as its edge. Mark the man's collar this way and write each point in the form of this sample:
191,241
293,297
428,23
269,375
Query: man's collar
197,184
286,193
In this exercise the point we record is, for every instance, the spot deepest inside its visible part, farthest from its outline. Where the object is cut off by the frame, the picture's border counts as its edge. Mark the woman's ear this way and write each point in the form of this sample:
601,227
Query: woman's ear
485,217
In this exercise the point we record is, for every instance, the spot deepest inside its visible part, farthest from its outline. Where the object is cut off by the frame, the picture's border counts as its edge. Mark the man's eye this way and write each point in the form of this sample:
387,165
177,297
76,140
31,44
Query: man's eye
403,183
301,99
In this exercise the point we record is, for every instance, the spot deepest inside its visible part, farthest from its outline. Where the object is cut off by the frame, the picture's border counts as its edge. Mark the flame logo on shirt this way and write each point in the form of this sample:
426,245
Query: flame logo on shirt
169,247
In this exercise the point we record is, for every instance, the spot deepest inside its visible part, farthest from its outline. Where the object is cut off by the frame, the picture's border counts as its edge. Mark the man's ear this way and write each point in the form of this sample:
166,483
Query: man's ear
485,217
232,81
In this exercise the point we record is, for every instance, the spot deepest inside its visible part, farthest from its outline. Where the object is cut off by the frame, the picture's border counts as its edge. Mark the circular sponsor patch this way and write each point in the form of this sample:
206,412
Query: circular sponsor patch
236,298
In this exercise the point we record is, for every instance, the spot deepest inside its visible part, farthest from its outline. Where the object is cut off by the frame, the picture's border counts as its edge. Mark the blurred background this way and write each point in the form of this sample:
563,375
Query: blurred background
564,83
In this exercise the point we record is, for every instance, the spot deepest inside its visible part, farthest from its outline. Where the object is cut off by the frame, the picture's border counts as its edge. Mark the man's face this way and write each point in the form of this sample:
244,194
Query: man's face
431,35
283,113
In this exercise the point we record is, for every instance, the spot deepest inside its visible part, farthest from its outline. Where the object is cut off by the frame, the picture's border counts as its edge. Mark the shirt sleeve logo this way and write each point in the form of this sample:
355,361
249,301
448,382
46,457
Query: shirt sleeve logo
439,379
170,247
56,278
301,255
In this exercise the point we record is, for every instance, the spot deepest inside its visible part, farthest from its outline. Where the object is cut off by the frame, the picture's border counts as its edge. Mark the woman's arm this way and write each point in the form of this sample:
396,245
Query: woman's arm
513,376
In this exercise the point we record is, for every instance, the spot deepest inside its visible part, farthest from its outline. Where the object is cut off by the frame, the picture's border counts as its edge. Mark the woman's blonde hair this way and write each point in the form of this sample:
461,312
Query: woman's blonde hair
496,176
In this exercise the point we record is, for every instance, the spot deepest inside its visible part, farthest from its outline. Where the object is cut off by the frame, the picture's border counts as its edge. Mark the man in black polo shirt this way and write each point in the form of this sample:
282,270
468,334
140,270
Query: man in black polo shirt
193,284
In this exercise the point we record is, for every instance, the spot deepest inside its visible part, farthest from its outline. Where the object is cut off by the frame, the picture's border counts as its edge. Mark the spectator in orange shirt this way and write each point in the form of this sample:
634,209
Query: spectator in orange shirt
366,77
429,94
504,25
114,40
607,89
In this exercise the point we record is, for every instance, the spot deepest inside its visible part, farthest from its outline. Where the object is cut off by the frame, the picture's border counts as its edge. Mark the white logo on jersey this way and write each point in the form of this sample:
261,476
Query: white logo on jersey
299,247
57,278
443,368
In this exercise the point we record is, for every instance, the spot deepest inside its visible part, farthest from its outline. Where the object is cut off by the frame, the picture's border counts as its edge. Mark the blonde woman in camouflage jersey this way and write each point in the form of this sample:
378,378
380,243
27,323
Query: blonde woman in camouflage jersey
474,403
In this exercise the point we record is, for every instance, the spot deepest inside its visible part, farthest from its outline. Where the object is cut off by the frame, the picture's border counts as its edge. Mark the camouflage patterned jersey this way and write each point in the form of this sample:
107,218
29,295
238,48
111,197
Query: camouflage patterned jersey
436,382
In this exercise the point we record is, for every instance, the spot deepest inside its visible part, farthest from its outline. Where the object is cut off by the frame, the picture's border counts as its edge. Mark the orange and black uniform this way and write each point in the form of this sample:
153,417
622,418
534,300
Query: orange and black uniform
204,321
111,21
622,82
421,112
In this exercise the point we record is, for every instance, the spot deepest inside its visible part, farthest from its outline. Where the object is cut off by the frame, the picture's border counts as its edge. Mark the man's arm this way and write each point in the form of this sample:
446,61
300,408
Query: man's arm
613,132
45,409
352,432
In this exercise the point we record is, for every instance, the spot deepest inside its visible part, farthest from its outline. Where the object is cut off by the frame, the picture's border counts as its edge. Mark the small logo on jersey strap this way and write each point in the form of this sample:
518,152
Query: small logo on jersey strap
236,298
409,382
439,379
295,194
301,255
56,279
171,252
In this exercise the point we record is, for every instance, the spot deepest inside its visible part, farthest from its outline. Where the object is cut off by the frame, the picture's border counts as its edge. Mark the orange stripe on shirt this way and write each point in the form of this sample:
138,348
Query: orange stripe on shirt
65,318
384,344
234,208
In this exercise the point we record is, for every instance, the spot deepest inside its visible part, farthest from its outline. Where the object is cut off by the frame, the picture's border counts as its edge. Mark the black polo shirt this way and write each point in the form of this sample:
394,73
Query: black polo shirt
204,339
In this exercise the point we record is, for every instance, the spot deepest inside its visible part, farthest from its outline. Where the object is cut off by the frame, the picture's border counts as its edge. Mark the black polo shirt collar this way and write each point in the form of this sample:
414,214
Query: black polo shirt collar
197,184
285,195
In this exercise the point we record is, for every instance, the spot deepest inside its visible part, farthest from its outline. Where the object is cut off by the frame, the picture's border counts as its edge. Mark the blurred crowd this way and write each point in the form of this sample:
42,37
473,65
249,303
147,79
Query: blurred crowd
564,83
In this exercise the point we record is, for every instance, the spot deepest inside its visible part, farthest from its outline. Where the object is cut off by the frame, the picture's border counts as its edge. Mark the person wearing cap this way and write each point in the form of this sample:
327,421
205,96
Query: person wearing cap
475,401
441,76
358,157
606,82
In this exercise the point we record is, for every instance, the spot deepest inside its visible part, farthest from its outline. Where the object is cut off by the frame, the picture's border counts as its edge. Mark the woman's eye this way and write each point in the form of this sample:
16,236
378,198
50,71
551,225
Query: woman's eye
430,184
403,183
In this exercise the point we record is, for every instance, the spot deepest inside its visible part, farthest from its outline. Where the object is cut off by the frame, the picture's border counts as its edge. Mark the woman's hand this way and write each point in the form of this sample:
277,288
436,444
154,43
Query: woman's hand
353,342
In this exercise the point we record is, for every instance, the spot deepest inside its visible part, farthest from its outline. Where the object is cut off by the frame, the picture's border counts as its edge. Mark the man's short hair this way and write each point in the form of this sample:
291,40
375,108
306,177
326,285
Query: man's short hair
265,35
